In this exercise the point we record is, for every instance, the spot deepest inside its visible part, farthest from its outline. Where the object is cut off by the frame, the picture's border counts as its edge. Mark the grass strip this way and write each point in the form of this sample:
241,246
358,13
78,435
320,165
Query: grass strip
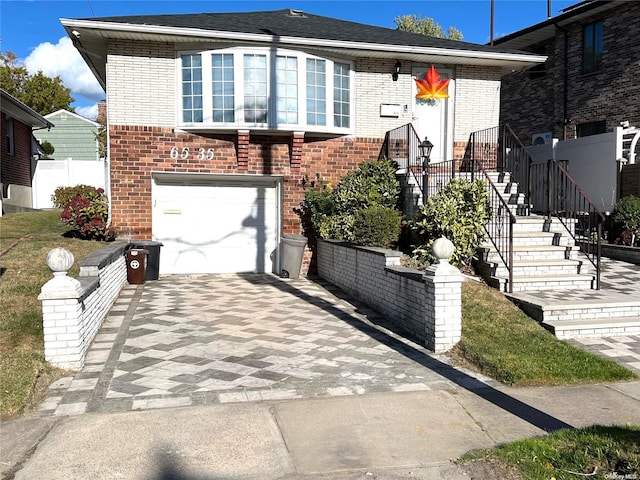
595,452
502,342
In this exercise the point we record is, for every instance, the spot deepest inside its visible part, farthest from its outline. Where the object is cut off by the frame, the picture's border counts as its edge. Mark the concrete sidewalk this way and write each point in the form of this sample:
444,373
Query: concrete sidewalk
375,436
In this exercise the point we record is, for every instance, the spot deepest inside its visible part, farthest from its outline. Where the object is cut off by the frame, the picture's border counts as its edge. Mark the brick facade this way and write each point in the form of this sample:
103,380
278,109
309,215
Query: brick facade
16,168
137,151
535,102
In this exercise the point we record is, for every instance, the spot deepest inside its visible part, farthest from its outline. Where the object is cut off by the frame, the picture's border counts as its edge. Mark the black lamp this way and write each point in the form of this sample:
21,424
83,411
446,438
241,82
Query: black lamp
425,150
396,70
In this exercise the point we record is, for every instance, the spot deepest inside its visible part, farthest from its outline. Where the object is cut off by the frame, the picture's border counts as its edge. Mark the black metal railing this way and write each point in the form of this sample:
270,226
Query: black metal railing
499,228
575,210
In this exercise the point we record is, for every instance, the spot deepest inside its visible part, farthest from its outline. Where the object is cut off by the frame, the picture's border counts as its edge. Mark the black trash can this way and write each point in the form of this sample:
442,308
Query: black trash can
292,254
136,265
153,258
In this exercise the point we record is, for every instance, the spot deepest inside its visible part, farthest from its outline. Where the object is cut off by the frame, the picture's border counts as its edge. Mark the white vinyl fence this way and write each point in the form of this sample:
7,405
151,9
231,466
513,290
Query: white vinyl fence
51,174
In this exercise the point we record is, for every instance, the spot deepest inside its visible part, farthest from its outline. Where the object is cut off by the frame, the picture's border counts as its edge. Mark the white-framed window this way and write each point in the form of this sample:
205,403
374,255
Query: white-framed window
263,88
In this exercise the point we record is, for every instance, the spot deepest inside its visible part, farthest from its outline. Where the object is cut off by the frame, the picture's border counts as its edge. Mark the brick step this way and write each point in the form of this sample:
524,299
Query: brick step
536,268
531,252
536,239
531,283
598,327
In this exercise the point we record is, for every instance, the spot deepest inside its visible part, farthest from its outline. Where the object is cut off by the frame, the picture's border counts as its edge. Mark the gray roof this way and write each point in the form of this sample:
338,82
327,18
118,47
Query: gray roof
286,23
286,29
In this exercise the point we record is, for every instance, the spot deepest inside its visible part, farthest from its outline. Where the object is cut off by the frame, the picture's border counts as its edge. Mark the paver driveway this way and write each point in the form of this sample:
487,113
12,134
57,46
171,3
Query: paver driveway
200,339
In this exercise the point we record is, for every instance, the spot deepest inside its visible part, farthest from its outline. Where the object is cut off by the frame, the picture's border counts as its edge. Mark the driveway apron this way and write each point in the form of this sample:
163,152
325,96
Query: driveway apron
202,339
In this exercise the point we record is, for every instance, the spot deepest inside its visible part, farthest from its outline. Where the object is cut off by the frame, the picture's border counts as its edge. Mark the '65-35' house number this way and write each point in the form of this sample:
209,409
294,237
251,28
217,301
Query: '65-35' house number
185,153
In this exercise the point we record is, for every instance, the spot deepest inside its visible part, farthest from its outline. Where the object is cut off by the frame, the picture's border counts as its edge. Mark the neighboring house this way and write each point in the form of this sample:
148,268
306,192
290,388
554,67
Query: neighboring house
74,136
19,148
217,122
76,159
586,95
589,83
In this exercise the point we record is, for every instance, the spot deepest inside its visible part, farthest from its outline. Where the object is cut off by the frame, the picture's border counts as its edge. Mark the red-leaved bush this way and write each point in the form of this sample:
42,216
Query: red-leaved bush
87,214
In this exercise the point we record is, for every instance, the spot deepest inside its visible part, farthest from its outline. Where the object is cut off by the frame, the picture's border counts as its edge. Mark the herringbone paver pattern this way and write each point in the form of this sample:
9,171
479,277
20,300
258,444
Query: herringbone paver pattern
201,339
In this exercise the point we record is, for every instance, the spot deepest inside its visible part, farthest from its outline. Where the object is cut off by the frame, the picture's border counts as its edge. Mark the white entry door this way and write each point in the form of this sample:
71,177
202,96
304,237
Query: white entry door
434,119
209,224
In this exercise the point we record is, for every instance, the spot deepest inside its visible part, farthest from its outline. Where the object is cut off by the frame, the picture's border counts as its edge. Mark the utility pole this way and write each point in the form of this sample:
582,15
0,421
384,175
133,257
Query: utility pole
493,6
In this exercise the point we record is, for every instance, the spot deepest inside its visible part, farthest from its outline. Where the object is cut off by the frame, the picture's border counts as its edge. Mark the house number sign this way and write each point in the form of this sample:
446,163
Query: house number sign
185,153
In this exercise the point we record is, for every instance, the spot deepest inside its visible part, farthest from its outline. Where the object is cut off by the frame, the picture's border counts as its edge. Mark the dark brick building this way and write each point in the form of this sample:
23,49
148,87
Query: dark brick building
590,82
18,147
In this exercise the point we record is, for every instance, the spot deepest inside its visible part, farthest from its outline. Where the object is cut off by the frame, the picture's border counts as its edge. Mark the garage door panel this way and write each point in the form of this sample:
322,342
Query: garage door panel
216,229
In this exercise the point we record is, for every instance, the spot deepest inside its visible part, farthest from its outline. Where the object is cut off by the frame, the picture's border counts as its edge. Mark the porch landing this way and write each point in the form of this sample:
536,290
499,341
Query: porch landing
614,310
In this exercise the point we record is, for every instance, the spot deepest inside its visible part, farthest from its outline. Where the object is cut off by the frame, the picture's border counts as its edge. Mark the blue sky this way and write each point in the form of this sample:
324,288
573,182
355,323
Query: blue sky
32,30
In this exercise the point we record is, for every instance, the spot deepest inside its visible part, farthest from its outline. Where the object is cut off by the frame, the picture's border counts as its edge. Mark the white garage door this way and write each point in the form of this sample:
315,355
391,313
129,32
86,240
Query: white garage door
216,224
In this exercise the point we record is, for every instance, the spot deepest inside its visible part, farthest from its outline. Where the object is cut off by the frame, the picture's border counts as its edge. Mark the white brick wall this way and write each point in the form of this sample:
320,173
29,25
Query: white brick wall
141,90
73,311
477,100
428,307
141,84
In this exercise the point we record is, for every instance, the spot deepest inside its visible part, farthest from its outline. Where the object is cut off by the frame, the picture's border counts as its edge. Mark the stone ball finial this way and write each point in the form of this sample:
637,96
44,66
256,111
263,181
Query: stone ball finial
60,260
443,249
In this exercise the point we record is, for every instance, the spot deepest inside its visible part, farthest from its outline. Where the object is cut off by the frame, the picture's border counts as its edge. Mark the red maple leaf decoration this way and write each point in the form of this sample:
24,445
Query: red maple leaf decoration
432,86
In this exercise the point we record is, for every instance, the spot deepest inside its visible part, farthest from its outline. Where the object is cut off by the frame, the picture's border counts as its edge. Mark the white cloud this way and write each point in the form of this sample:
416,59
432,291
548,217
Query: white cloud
62,59
90,111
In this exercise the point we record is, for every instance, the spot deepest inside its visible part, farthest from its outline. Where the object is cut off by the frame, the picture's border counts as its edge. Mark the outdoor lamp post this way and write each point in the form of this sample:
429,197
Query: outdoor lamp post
425,152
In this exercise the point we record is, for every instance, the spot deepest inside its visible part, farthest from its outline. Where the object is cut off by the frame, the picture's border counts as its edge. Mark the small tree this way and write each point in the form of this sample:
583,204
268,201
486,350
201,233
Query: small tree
47,148
426,26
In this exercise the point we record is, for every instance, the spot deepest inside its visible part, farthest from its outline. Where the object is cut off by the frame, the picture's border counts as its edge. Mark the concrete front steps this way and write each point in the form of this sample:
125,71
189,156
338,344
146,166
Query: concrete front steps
607,315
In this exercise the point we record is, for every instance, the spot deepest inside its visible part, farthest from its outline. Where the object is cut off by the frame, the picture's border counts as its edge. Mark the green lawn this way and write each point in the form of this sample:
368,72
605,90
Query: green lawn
500,341
595,452
25,240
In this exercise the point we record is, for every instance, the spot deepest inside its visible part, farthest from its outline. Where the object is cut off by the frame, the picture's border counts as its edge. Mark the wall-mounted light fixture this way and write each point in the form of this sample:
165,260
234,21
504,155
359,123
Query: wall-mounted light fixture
396,70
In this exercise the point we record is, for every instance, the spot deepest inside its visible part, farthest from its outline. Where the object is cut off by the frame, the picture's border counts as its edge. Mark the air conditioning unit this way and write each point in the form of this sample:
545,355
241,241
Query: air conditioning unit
541,138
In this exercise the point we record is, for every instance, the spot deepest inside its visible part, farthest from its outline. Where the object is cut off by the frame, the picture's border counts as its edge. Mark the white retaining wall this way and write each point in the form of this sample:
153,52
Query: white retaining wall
73,310
427,305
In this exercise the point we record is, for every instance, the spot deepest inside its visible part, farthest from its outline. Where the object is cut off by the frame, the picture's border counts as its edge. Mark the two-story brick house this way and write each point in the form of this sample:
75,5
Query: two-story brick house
17,161
590,82
216,120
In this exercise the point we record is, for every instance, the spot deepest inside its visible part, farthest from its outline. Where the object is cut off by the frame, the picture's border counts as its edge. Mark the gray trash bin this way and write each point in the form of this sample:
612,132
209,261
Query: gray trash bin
292,248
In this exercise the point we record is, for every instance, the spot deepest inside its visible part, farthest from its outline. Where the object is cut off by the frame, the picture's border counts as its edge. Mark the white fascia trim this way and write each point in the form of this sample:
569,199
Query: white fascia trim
311,42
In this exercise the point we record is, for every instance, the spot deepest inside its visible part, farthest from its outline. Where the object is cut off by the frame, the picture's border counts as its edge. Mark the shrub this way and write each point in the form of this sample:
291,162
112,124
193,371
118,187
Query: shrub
88,214
376,226
458,212
63,195
626,213
373,183
332,211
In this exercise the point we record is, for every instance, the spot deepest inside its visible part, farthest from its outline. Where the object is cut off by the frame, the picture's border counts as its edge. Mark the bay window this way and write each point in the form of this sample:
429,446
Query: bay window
264,89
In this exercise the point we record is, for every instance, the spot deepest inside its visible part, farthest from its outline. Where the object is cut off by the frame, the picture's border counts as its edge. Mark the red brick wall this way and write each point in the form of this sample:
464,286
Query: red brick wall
137,151
16,168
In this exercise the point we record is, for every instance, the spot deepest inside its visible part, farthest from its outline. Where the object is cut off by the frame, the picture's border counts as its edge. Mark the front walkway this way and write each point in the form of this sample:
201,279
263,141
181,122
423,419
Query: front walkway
203,339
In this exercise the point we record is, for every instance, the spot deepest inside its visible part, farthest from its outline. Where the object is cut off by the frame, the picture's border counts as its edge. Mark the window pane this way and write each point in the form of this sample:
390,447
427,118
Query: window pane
341,97
222,87
255,88
287,89
191,88
592,47
316,82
